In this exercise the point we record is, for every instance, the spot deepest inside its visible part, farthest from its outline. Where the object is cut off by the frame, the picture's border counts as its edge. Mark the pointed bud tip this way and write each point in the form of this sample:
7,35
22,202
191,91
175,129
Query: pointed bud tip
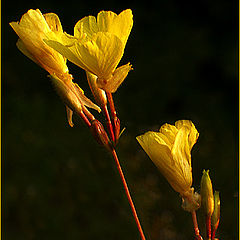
207,194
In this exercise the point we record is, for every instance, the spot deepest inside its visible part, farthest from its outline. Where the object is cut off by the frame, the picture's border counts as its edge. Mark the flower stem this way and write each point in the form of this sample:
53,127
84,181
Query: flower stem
111,105
208,227
213,234
115,119
85,119
109,123
195,225
128,194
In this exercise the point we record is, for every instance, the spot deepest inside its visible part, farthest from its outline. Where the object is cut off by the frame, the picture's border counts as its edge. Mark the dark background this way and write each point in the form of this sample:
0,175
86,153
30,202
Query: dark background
59,184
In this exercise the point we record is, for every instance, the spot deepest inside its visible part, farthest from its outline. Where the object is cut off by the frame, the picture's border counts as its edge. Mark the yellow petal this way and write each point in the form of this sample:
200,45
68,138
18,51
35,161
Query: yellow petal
86,27
69,116
119,25
156,149
107,21
160,154
65,46
101,55
85,101
53,22
72,95
31,29
170,132
193,135
24,50
117,78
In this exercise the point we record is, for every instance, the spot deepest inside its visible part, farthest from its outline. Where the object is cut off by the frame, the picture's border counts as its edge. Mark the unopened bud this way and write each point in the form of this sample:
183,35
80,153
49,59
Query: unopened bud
207,194
67,93
216,212
100,134
117,127
98,93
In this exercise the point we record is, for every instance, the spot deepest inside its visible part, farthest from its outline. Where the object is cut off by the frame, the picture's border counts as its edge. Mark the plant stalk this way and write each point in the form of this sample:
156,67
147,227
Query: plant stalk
208,227
109,123
195,225
128,194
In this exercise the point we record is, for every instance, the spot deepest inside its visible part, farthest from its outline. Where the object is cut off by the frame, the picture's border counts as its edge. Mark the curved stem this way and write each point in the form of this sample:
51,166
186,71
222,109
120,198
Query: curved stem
208,227
109,123
195,225
128,194
84,118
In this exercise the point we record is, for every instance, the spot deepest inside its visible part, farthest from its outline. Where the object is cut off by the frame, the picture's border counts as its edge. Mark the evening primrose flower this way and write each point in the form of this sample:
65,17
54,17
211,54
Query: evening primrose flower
170,151
32,29
98,46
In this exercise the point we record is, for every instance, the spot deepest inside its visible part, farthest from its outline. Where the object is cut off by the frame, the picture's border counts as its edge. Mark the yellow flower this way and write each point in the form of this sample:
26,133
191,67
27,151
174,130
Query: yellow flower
98,46
32,29
170,150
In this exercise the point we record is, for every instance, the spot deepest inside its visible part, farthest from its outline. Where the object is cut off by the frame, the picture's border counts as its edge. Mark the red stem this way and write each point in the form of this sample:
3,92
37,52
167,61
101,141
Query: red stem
111,105
109,123
195,225
214,230
85,119
213,233
208,227
88,114
128,194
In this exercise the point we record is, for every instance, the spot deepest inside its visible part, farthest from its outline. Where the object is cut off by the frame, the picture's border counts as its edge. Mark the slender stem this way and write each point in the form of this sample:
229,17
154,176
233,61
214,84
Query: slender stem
195,225
115,120
109,123
214,230
213,233
128,194
208,227
85,119
88,114
111,105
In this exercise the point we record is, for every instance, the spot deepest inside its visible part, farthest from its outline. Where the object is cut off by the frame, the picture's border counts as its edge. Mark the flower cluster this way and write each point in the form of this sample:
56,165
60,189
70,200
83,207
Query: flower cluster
97,46
170,150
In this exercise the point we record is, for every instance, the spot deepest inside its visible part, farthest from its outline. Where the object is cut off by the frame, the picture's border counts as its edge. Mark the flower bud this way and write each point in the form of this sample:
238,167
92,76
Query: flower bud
98,93
207,194
117,127
67,93
100,134
216,212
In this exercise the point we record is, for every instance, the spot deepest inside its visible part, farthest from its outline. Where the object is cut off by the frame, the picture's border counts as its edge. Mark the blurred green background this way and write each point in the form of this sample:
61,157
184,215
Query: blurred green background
59,184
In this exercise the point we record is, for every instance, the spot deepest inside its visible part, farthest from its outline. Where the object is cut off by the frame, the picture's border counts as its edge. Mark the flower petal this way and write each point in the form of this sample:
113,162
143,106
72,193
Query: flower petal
24,50
160,154
117,78
107,21
53,22
119,25
181,153
86,101
101,55
87,26
31,29
170,132
69,116
193,135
